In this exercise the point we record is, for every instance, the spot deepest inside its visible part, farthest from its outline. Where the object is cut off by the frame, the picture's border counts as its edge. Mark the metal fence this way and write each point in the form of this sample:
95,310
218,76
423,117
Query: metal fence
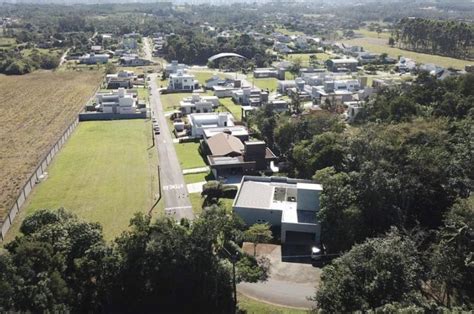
35,178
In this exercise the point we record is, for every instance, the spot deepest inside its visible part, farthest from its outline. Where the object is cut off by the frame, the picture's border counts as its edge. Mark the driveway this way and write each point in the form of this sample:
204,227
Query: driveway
290,283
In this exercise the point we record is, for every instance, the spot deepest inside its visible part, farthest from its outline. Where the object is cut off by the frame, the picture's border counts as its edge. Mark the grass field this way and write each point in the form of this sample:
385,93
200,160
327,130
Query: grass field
269,83
198,177
377,45
189,156
7,42
252,306
304,57
105,173
35,109
233,108
203,76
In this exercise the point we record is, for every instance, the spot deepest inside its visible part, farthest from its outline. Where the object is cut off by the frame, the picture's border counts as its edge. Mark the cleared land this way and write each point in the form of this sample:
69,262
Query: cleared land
35,109
380,45
105,173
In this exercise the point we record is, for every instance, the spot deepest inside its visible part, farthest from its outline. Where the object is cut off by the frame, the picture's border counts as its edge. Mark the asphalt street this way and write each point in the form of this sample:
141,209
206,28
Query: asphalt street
173,187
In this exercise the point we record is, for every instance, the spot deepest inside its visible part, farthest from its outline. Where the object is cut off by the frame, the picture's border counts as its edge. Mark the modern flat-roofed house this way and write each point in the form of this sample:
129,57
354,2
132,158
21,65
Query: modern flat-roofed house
121,79
341,65
181,81
289,204
94,59
284,86
198,104
133,60
174,67
119,102
227,155
201,121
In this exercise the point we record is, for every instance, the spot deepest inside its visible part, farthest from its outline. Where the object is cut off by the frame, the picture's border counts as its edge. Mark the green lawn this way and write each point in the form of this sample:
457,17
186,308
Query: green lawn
252,306
269,83
171,101
105,173
188,155
381,46
232,107
366,33
143,94
304,57
7,42
203,76
198,177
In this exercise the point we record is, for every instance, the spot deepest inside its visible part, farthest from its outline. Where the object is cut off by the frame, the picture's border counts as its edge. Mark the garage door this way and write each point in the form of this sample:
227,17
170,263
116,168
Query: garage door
299,237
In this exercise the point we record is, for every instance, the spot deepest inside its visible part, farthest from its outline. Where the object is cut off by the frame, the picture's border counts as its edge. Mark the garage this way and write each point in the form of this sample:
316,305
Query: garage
300,237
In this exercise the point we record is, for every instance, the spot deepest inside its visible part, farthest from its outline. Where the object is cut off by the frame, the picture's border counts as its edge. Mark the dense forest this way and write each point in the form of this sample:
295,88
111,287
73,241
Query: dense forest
63,264
406,165
447,38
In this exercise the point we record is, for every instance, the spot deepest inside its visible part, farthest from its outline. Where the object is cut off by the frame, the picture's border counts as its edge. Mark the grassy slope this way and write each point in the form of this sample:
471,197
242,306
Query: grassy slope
104,174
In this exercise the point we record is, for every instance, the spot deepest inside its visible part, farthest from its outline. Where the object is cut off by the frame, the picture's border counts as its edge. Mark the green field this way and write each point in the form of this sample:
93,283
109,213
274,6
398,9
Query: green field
366,33
7,42
188,155
105,173
381,46
252,306
232,107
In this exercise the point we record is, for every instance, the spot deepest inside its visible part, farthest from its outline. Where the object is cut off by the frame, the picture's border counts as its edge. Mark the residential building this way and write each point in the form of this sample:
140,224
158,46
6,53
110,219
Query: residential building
291,205
118,101
249,96
198,104
201,121
354,108
175,67
181,81
227,155
93,58
283,86
133,60
405,65
342,65
121,79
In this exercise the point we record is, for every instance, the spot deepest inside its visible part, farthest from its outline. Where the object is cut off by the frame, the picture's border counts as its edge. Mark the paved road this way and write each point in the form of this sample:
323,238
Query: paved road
174,190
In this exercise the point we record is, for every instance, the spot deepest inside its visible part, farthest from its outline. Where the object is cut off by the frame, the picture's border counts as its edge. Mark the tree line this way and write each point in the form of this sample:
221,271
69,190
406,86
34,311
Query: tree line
448,38
404,170
62,264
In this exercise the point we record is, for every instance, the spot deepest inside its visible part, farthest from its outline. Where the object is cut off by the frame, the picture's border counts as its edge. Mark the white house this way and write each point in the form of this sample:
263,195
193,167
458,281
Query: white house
290,204
118,101
182,81
174,67
94,58
201,121
198,104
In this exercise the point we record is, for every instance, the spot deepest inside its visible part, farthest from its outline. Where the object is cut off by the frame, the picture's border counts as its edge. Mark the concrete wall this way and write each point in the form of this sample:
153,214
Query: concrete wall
110,116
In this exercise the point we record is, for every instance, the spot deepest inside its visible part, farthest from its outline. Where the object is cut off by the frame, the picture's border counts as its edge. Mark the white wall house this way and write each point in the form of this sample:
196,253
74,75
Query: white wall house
118,101
174,67
94,58
199,104
202,121
182,81
290,204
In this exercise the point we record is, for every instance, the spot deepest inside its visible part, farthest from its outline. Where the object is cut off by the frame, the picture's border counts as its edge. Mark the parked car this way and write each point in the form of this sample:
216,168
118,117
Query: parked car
157,131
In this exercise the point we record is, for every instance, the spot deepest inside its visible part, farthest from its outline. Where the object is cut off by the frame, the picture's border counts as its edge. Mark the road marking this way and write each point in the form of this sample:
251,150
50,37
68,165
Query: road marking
173,187
179,207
